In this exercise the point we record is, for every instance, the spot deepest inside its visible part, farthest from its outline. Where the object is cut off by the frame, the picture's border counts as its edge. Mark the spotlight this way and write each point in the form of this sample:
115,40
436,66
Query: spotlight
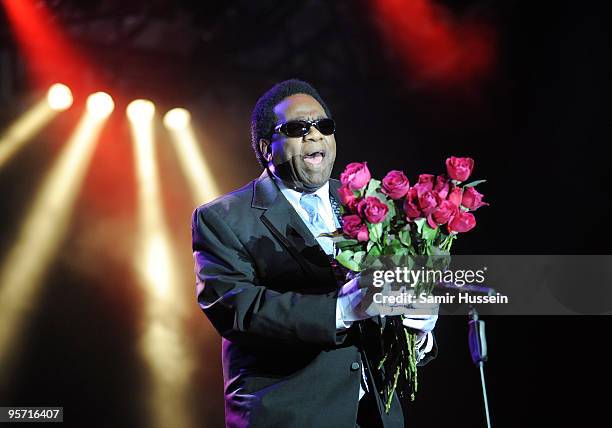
100,105
177,119
59,97
139,111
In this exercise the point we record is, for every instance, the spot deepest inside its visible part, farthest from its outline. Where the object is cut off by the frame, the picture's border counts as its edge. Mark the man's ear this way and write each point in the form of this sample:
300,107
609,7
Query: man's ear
264,148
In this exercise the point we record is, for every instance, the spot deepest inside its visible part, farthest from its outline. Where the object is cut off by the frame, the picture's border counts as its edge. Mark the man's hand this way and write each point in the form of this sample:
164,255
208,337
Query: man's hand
423,318
359,299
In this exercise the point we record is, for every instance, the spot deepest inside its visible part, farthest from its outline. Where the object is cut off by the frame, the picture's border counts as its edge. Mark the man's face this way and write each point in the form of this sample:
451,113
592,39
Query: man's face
304,163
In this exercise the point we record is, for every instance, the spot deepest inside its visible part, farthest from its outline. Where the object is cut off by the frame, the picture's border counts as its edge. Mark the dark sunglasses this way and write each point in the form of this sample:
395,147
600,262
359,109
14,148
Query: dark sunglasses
299,128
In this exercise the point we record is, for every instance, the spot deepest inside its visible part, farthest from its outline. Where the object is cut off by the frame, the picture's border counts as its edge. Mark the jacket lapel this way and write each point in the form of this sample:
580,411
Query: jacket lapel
289,229
335,199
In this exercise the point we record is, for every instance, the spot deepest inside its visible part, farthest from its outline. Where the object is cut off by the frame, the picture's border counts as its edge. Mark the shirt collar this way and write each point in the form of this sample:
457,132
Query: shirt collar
322,192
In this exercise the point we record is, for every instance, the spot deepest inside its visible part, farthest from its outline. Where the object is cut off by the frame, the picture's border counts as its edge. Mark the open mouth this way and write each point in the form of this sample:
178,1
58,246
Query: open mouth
314,158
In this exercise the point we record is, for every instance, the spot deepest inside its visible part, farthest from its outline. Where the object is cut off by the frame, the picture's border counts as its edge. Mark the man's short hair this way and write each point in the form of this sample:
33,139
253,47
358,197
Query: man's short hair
263,118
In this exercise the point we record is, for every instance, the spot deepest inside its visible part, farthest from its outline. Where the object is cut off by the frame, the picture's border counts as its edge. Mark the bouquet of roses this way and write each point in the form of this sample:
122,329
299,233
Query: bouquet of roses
391,219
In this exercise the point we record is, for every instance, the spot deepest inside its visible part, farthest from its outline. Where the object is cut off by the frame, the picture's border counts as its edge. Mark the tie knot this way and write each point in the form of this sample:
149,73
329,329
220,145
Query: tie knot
310,202
309,198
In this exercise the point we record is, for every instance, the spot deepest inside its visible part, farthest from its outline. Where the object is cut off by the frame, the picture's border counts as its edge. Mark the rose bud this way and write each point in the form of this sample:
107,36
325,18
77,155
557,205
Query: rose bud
455,196
427,203
443,212
461,222
353,227
395,184
347,197
426,178
441,187
425,184
472,199
356,175
372,209
431,222
410,206
459,168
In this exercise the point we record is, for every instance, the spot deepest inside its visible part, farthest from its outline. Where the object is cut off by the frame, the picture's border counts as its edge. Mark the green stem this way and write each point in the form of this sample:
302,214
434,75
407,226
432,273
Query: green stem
382,361
450,243
390,397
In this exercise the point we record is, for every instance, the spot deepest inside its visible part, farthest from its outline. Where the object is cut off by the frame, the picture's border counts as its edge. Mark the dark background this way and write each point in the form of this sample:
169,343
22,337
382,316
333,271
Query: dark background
537,125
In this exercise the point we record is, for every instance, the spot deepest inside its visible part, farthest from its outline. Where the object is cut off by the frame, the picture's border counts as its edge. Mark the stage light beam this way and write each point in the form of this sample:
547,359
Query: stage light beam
46,47
40,237
439,48
201,182
163,342
28,125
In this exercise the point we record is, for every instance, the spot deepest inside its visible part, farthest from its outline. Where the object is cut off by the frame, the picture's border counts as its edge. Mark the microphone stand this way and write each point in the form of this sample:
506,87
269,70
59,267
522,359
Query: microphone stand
478,349
476,334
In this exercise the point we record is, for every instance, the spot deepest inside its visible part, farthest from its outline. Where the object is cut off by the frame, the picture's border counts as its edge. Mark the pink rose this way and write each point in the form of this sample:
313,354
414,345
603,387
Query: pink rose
461,222
441,187
455,196
426,178
443,212
459,168
425,184
372,209
472,199
347,197
395,184
410,206
356,175
354,228
431,222
428,203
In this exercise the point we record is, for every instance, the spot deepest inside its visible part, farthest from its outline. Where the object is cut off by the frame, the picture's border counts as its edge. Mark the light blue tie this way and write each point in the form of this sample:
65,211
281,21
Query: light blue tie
310,203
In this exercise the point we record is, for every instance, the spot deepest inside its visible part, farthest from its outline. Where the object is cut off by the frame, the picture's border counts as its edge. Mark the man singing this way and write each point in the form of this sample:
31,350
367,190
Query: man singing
298,350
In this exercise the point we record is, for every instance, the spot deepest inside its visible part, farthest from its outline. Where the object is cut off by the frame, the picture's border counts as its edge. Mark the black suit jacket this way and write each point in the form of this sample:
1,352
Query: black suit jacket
268,289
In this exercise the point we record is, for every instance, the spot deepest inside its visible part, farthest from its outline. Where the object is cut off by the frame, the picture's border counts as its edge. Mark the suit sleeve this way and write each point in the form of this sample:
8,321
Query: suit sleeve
239,306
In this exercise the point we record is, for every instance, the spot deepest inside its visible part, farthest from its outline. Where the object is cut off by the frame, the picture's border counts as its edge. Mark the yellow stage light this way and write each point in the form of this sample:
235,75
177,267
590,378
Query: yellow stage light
177,119
40,237
23,129
201,181
59,97
163,344
100,105
140,111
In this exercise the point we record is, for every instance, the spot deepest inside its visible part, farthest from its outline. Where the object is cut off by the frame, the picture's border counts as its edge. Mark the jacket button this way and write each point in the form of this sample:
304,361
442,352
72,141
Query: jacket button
355,366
